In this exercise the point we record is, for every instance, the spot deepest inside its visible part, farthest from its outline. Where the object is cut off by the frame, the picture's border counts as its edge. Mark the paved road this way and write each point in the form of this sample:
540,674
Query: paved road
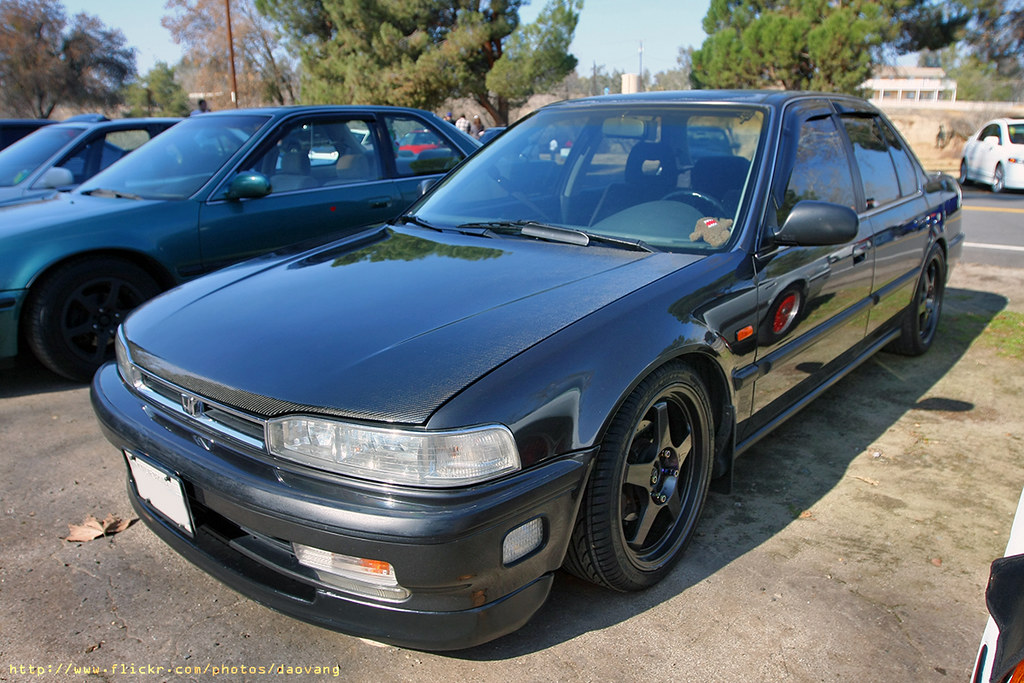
994,224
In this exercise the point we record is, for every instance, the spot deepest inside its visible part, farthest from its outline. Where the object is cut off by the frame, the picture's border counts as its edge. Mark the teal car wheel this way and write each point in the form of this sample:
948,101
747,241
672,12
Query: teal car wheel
73,313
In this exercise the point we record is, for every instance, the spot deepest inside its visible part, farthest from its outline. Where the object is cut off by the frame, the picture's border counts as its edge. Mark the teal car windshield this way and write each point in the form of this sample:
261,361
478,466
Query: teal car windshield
175,164
26,155
675,178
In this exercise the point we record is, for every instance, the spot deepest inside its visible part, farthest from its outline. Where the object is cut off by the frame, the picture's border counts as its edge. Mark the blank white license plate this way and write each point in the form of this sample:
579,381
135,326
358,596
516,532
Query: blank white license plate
161,490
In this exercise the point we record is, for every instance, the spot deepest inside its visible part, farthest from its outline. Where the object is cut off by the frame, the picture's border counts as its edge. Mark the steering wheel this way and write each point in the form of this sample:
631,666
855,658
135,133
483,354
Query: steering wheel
685,196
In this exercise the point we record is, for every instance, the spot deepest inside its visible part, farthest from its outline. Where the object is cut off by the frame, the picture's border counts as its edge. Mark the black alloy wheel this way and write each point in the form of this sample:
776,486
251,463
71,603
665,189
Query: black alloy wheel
74,312
962,178
921,319
649,484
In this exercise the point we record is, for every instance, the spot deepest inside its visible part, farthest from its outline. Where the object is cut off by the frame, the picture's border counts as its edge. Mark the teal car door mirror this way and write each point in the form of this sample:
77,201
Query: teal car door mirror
248,185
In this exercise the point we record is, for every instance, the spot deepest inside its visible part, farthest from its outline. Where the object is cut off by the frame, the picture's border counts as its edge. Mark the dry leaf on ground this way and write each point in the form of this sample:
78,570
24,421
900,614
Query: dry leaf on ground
91,528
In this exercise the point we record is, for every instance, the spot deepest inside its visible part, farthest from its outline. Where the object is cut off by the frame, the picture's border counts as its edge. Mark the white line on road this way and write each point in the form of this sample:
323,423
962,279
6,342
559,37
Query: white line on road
997,247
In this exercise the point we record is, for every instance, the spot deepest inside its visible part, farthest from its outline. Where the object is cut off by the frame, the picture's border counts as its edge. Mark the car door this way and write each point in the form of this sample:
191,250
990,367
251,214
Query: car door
895,207
813,301
326,177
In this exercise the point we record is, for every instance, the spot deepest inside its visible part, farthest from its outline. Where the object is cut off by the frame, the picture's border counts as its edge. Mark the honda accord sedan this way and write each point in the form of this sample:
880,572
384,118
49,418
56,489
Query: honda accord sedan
545,363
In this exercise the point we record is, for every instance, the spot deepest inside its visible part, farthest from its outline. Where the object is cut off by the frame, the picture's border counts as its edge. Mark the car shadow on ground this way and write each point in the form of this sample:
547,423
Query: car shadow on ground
781,476
26,376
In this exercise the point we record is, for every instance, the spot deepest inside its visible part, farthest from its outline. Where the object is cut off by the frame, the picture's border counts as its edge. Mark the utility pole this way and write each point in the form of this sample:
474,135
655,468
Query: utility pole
231,52
641,72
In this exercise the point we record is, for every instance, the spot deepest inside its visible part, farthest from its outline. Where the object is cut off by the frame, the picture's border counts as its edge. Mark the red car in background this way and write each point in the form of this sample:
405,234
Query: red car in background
417,141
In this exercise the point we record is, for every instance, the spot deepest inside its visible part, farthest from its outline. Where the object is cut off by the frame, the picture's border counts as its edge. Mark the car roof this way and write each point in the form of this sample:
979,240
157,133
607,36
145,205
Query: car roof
771,98
314,109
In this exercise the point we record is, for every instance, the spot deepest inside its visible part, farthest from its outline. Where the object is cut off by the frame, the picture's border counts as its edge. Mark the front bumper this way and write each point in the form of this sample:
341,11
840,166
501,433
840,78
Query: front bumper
445,545
11,302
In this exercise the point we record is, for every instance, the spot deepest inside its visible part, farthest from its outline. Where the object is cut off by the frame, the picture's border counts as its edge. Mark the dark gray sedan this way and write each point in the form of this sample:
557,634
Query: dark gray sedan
546,362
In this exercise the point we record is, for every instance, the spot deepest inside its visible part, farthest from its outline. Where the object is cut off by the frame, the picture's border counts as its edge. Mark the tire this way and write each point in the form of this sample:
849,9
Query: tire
962,178
921,319
998,179
649,483
72,314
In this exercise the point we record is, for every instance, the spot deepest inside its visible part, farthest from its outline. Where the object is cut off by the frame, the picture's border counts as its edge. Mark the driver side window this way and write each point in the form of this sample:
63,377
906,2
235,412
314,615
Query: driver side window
821,169
312,153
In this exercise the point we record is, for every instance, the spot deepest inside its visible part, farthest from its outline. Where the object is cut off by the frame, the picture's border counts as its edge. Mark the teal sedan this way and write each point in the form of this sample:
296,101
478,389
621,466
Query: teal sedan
215,189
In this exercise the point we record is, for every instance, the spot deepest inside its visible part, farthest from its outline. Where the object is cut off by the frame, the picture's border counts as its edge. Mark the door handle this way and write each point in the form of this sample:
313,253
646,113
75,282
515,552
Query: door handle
380,202
860,251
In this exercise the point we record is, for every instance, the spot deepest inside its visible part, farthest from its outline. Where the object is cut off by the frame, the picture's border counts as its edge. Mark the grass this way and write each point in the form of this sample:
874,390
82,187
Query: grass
1003,332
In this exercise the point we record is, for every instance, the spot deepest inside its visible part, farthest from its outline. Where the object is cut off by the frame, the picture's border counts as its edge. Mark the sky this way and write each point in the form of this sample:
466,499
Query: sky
609,34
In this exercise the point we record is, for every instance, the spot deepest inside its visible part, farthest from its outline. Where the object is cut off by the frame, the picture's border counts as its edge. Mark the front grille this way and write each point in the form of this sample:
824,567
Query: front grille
211,415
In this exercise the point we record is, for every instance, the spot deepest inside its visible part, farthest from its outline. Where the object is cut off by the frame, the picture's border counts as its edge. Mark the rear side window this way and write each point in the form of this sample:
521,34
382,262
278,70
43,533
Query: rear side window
877,172
821,170
906,170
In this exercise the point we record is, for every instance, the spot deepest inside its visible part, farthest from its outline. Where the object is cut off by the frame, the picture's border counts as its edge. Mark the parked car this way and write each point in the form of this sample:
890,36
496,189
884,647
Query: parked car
995,155
417,141
491,133
12,130
214,189
545,362
64,155
1001,653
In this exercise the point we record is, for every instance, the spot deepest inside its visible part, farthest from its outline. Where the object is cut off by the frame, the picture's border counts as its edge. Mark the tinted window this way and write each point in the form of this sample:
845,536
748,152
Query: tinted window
906,170
877,172
1016,133
991,130
821,170
419,150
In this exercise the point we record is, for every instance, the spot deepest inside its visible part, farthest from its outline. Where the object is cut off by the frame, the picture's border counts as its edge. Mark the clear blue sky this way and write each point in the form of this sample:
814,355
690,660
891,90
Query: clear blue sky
609,32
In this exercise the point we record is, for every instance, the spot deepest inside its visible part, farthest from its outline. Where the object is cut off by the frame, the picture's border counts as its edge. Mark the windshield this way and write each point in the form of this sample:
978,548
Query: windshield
660,174
26,155
175,164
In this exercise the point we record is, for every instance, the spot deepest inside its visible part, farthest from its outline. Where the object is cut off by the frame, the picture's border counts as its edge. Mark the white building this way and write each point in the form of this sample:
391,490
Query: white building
910,84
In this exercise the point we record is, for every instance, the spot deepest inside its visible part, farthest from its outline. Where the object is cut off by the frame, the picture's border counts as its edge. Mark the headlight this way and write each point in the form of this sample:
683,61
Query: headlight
129,373
397,456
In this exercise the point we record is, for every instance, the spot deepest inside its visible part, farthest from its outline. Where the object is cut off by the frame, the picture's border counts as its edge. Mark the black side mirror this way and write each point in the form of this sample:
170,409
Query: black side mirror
248,185
814,224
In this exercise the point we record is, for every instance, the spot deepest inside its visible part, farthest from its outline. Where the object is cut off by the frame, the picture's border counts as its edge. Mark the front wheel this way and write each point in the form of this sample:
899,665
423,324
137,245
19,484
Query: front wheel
649,484
921,319
962,178
73,313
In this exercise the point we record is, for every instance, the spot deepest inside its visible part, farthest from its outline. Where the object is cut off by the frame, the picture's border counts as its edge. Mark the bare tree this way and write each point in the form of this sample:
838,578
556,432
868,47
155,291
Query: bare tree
265,74
45,63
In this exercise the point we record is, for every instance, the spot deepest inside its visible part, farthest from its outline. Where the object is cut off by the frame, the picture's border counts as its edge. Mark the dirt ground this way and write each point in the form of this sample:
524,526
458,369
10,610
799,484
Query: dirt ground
855,546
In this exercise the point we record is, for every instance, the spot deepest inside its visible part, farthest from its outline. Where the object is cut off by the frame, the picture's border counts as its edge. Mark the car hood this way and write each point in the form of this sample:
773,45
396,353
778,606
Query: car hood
384,326
63,207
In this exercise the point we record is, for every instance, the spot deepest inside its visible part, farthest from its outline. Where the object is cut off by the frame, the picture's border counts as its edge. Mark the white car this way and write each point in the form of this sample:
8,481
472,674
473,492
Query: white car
1002,646
995,155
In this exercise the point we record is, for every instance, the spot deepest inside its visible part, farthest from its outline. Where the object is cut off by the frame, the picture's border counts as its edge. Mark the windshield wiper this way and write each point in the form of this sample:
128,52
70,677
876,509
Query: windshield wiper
552,233
116,194
407,218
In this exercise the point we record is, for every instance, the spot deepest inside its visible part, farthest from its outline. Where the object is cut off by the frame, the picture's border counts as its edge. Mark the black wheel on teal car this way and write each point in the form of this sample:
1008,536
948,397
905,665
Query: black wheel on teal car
649,483
73,312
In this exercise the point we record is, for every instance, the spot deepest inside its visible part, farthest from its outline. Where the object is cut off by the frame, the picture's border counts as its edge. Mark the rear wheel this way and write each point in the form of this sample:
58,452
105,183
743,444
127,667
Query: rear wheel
998,179
921,319
73,313
649,484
